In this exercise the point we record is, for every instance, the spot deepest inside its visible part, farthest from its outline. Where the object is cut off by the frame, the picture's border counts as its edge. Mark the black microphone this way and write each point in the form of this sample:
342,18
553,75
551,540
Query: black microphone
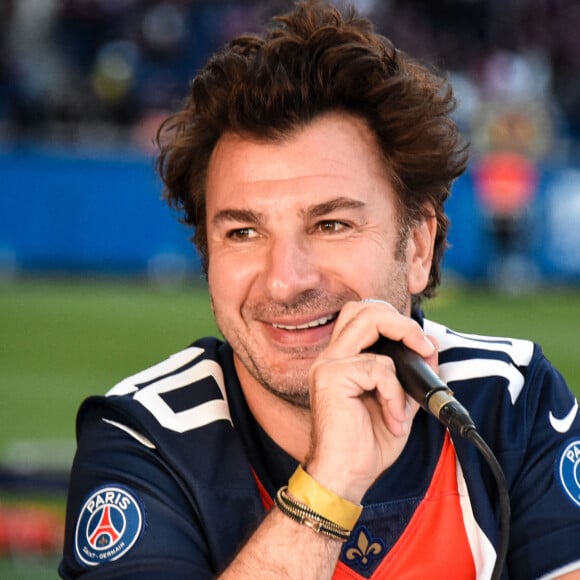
421,382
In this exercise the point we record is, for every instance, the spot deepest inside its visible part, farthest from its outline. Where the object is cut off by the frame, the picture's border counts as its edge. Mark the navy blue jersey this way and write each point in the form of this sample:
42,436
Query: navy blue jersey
173,474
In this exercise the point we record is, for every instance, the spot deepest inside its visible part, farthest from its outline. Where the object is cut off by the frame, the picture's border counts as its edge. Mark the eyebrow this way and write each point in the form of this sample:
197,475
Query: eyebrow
238,215
338,203
311,212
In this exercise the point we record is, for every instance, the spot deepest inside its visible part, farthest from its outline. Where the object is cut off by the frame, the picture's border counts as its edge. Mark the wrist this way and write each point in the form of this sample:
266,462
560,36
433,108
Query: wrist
340,481
309,503
323,500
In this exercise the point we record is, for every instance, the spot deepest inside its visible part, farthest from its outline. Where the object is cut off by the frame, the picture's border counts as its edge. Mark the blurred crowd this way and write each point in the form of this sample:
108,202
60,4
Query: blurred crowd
107,71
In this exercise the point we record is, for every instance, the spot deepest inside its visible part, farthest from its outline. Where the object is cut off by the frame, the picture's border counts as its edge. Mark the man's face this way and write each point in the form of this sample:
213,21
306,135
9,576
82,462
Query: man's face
295,229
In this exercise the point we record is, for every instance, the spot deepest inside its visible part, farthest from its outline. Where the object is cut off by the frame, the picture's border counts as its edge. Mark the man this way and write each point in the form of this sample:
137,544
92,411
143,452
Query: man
313,164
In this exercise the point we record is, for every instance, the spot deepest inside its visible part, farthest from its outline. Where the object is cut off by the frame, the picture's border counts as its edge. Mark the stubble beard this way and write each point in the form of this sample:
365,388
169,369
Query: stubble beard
291,382
291,386
287,380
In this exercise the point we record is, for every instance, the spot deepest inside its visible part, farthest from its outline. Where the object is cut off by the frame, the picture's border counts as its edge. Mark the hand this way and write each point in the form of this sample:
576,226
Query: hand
361,417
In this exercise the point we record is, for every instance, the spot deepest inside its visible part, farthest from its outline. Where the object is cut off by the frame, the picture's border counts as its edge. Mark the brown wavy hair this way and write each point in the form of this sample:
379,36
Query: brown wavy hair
310,61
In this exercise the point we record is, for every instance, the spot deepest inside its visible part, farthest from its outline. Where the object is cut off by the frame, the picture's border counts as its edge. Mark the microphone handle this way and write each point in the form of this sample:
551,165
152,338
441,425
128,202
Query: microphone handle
423,384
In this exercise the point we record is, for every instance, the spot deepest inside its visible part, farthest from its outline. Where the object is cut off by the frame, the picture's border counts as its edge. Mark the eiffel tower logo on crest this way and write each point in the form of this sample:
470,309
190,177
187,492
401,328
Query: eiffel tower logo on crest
105,534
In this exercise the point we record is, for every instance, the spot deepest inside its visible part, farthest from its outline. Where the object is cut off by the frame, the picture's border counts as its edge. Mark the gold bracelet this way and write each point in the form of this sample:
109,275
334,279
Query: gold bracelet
323,501
304,515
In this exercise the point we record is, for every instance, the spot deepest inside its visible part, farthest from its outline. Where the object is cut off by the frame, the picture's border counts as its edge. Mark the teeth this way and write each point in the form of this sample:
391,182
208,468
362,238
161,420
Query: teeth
320,322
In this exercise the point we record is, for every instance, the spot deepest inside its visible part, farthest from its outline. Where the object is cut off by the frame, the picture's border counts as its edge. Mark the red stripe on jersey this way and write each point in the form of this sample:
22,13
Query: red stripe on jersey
434,544
267,501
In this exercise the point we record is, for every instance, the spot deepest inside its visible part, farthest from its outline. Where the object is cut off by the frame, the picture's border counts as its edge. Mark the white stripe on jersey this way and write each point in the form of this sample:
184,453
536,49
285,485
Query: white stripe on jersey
169,365
165,378
482,550
561,571
518,350
478,368
135,434
195,417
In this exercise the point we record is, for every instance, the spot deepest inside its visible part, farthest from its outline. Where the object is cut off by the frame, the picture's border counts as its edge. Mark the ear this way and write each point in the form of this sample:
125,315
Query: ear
420,251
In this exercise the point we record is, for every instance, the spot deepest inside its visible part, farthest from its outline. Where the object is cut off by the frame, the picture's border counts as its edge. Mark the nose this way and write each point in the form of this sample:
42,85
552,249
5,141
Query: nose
291,268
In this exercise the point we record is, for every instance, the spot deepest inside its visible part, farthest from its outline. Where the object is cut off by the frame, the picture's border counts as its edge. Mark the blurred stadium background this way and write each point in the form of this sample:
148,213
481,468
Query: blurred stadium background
97,278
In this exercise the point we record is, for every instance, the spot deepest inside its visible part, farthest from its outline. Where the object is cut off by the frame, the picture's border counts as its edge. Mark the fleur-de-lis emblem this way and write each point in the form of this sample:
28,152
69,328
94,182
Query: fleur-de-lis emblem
365,549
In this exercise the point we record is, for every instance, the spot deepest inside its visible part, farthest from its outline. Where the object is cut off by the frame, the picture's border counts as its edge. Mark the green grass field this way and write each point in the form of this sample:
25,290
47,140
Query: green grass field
61,341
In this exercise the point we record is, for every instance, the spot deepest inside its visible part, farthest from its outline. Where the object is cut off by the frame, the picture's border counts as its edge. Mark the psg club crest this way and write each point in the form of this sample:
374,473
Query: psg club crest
569,471
109,525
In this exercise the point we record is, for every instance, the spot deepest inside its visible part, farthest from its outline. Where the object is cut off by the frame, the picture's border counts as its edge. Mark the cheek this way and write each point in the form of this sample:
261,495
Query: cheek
361,264
375,273
229,279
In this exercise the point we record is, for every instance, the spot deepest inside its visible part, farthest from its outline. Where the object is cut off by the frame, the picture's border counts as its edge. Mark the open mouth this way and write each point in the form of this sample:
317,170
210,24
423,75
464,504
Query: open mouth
322,321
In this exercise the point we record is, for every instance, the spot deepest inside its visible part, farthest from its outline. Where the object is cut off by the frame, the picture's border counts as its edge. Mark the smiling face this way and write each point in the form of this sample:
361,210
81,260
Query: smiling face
295,229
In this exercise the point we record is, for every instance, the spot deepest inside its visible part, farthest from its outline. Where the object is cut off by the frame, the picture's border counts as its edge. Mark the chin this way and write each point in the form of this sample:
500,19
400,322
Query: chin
291,386
300,400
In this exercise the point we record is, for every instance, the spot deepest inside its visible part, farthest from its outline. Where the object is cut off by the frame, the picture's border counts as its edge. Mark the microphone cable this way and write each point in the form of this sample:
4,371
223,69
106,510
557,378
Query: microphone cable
503,497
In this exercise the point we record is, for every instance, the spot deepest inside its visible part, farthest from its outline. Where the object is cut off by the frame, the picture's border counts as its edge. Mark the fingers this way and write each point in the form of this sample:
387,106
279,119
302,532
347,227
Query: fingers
365,377
361,421
361,415
396,415
361,323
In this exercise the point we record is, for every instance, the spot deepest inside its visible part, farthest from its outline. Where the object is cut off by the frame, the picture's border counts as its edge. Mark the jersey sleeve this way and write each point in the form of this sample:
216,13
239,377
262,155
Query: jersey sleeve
545,493
128,516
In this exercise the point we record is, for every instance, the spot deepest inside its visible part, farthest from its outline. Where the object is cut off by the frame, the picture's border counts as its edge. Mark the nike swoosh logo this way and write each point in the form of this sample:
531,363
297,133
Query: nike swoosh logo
563,425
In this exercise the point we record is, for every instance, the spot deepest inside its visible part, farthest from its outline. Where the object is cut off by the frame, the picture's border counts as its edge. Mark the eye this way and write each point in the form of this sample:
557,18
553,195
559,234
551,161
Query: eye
240,234
331,226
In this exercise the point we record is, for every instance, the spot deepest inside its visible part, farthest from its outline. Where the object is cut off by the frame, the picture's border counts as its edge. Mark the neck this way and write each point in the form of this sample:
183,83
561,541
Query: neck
286,424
